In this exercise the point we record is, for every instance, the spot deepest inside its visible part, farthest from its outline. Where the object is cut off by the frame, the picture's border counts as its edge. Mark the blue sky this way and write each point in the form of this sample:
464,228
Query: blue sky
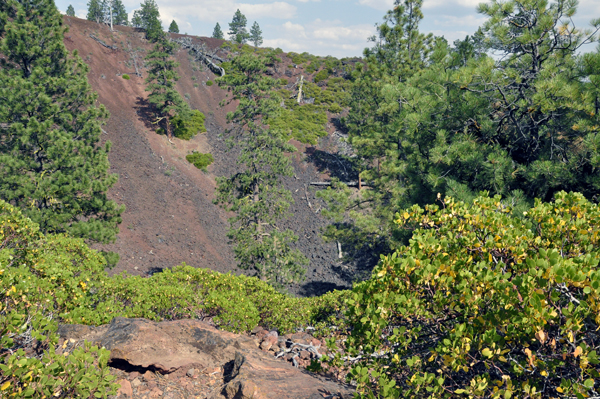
321,27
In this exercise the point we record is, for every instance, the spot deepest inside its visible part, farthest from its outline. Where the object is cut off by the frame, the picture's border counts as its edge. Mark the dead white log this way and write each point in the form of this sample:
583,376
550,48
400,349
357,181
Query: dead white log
201,54
306,195
104,43
349,184
300,88
340,253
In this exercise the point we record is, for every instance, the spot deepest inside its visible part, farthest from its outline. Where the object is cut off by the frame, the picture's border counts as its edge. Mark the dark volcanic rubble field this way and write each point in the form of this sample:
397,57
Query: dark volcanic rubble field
170,217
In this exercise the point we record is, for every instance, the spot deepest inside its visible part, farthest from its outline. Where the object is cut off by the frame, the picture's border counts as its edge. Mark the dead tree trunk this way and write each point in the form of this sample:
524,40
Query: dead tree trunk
201,55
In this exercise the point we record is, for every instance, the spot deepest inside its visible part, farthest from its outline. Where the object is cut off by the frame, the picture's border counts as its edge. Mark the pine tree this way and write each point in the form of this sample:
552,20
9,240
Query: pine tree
400,51
150,20
136,19
237,28
256,35
458,122
70,11
120,16
173,28
256,192
52,165
217,32
161,84
95,11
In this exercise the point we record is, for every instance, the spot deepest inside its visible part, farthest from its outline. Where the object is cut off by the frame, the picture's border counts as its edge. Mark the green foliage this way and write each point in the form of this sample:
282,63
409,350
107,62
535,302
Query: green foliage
111,258
187,124
256,35
51,162
217,32
42,280
321,75
173,28
120,16
125,76
200,160
171,108
95,11
305,123
58,275
483,304
47,279
256,193
148,18
426,118
237,28
209,83
300,59
70,11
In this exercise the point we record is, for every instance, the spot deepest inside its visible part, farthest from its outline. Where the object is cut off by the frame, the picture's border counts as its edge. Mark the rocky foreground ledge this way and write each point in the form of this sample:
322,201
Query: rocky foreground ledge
191,359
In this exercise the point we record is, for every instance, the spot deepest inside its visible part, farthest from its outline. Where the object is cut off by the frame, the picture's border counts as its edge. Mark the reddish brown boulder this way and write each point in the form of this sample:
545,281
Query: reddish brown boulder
178,346
125,390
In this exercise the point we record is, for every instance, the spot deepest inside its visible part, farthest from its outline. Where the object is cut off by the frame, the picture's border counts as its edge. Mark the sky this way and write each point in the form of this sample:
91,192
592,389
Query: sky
321,27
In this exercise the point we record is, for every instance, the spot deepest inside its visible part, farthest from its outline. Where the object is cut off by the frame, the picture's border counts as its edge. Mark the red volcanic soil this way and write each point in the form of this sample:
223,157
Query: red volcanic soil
170,216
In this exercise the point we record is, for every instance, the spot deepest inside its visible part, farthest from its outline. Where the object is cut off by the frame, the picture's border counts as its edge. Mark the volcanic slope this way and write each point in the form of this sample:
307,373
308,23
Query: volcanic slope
170,216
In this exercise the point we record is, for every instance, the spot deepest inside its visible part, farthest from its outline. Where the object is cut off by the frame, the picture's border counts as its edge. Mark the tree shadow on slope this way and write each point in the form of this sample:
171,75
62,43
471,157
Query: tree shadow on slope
332,164
318,288
146,113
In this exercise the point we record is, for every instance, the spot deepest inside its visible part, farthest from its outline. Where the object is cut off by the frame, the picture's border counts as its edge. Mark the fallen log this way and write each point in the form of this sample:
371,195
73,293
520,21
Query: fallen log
104,43
349,184
201,55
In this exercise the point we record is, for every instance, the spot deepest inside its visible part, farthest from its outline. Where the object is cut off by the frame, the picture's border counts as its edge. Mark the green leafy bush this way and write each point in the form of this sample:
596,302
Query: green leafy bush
305,123
50,279
44,279
483,304
321,75
209,82
200,160
125,76
188,124
60,276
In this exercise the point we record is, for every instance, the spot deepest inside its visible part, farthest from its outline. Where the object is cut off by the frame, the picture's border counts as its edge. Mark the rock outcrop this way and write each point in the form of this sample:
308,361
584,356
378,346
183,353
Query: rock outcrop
189,358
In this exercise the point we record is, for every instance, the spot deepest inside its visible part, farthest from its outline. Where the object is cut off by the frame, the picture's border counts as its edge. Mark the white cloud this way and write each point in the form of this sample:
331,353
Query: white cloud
219,10
278,10
472,4
470,21
382,5
322,38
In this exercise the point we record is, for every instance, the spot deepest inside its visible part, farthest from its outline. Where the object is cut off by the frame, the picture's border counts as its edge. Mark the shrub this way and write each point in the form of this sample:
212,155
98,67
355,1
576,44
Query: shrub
43,279
200,160
483,304
187,125
209,82
305,123
47,279
125,76
321,75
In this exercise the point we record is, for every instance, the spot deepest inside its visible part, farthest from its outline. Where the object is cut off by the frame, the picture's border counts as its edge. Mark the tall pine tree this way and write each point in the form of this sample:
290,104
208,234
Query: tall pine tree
119,13
256,193
95,11
161,84
237,28
217,32
400,51
173,28
70,11
150,20
256,35
52,165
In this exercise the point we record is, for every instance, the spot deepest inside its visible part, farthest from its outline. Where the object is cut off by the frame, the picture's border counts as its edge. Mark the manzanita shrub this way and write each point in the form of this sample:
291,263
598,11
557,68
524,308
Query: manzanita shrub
42,279
47,279
483,304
